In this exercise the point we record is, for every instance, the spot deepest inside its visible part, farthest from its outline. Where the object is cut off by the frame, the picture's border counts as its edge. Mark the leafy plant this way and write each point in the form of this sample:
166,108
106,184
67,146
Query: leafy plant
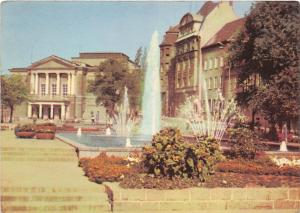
170,156
245,143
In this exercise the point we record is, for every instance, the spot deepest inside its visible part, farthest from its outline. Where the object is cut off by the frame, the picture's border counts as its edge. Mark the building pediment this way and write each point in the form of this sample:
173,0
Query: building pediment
52,62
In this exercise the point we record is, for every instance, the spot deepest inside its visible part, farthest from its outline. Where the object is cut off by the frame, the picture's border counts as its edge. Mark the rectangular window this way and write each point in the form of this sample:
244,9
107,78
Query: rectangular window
65,89
53,89
216,62
205,65
215,83
221,61
210,64
207,83
43,89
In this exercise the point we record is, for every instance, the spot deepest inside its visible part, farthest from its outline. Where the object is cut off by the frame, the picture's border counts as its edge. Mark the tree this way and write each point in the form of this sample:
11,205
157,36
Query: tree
265,47
110,80
138,56
14,91
268,43
144,60
279,99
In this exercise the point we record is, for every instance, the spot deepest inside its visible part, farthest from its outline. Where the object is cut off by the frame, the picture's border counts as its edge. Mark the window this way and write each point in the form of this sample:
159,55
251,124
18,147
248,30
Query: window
210,64
220,82
43,89
216,83
216,62
205,65
207,83
54,89
221,62
167,54
65,89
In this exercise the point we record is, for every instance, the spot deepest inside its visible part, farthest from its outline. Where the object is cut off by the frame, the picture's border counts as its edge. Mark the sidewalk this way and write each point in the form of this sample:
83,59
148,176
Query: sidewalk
43,176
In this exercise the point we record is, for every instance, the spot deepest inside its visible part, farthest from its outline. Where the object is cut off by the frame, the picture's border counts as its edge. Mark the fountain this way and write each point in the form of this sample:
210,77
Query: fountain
124,123
107,131
79,132
208,119
118,135
151,105
283,145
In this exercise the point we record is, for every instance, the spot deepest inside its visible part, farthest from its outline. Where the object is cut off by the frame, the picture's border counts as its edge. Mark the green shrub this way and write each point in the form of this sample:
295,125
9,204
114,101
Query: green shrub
245,143
170,156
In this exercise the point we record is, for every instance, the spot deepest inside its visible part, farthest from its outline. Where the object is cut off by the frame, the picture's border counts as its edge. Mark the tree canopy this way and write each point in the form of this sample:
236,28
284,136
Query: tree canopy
268,43
14,91
110,80
266,48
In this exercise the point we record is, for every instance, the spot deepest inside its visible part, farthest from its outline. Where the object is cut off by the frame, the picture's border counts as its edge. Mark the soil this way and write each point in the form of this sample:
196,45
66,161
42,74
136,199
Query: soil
219,179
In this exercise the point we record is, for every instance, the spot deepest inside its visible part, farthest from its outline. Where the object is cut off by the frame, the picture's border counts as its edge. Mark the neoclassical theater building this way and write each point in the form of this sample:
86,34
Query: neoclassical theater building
194,51
59,87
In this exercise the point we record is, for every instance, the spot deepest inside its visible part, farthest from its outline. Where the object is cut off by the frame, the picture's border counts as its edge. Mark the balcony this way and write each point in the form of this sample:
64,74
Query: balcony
39,97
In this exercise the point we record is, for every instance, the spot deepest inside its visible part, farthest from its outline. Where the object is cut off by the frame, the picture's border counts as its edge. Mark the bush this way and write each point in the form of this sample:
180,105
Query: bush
104,168
170,156
245,143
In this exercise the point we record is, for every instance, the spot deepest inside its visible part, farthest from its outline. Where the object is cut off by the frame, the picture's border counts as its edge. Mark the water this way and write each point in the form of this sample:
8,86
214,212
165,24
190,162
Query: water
124,123
151,105
79,132
103,141
208,119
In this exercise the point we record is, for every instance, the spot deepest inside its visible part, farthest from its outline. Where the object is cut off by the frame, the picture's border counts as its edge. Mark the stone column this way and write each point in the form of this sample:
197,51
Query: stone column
29,112
73,84
36,83
40,111
63,112
51,112
57,84
32,85
47,83
69,83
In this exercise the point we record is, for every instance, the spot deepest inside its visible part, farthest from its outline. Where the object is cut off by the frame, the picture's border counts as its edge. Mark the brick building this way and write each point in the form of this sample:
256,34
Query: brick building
194,52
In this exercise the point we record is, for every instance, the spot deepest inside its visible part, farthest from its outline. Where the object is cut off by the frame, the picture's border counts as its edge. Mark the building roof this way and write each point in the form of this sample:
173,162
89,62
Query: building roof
207,8
102,55
226,32
170,36
18,69
55,58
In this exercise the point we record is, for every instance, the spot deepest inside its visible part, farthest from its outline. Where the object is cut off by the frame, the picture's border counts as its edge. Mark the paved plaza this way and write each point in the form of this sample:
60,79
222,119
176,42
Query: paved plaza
43,176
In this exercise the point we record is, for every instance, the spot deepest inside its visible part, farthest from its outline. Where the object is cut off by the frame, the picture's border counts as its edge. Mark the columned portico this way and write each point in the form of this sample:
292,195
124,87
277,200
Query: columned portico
36,81
48,110
51,112
57,83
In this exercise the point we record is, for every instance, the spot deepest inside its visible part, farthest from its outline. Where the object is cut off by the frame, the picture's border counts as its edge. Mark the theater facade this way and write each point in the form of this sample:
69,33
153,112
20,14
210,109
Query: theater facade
59,87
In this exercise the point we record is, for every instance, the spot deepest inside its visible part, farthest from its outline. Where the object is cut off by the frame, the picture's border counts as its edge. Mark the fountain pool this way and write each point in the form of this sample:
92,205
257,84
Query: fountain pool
104,141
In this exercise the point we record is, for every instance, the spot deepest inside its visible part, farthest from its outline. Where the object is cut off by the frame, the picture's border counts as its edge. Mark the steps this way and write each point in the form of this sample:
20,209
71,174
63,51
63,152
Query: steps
43,176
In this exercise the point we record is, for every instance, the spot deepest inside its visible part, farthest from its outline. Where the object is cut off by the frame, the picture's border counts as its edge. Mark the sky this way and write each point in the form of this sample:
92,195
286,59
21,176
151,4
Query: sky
32,30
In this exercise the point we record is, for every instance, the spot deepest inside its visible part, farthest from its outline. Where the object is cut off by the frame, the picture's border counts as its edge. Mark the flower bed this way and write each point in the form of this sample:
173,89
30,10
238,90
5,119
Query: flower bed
248,167
21,134
25,131
45,135
104,168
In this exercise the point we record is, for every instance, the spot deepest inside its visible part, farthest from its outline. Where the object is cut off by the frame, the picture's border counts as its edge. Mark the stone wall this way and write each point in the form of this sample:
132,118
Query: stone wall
216,199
